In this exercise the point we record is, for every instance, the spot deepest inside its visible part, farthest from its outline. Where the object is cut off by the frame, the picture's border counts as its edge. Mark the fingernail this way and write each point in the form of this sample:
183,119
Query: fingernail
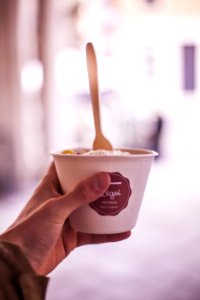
101,181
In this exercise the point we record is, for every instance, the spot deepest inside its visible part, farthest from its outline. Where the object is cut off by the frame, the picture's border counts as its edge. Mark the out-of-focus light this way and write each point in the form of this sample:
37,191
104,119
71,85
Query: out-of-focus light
32,76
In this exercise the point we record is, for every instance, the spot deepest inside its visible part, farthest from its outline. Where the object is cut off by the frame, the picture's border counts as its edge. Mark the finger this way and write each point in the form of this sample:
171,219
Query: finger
85,192
51,173
49,185
84,238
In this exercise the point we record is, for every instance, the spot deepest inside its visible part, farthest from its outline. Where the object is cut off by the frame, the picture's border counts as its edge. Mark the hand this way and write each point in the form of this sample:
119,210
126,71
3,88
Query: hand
42,229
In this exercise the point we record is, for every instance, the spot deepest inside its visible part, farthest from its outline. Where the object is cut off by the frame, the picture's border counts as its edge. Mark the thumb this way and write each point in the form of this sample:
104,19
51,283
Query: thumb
85,192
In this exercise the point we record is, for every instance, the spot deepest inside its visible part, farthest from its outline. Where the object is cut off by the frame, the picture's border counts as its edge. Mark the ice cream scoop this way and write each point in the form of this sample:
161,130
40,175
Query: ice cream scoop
100,142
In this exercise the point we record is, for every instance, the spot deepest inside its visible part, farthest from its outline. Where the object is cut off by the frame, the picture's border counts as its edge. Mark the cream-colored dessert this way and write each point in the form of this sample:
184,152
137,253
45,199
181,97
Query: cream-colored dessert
106,152
99,152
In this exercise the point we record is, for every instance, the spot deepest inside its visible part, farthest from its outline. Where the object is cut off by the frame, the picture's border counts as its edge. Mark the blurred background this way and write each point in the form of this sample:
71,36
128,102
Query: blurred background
149,67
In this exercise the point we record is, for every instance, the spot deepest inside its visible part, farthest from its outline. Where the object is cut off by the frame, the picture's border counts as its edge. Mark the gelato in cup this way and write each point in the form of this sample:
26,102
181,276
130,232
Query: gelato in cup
118,208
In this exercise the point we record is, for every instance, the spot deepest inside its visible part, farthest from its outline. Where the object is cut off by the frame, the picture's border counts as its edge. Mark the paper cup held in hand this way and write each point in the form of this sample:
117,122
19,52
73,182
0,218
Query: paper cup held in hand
117,209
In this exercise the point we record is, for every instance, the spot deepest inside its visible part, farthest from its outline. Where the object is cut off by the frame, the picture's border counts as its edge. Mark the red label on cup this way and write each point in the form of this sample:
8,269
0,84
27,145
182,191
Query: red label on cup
115,199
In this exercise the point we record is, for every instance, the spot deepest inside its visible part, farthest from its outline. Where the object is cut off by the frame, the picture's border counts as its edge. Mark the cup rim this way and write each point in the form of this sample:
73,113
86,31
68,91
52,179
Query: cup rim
135,152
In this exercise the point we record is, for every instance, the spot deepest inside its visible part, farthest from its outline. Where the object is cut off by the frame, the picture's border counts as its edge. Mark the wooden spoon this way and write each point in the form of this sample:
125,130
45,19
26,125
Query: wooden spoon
100,142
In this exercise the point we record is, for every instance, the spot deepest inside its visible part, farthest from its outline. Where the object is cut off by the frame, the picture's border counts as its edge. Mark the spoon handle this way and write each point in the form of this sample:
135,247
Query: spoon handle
93,82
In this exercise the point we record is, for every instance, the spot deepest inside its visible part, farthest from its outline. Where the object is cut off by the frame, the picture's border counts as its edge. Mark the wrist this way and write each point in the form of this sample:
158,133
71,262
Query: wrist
8,238
18,274
13,256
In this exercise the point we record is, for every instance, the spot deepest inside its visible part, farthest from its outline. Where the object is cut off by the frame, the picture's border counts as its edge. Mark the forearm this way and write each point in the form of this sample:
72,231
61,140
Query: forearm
18,280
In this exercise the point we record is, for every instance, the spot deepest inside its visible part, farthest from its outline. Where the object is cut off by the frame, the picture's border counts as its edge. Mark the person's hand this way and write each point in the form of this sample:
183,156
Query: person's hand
42,229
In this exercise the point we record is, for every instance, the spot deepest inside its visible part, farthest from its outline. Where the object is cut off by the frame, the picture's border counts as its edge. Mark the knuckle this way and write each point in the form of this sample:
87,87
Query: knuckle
82,192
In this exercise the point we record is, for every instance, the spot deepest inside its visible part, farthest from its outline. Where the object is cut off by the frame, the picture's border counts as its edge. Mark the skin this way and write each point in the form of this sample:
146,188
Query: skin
42,229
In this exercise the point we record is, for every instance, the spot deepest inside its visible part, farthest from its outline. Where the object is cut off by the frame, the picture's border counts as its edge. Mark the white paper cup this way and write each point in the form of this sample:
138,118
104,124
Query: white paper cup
117,210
